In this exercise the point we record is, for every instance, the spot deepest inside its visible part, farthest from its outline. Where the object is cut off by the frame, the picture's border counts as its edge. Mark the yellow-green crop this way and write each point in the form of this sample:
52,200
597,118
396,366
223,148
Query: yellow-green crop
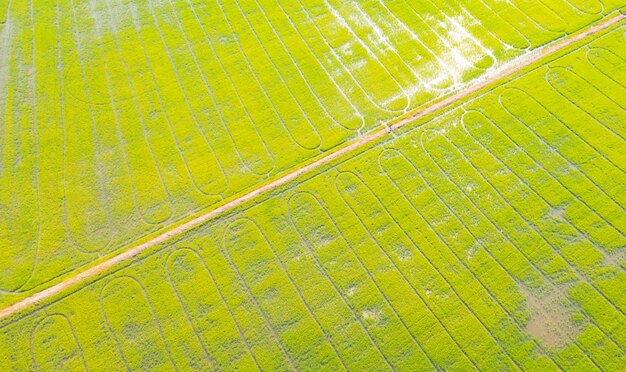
489,237
119,118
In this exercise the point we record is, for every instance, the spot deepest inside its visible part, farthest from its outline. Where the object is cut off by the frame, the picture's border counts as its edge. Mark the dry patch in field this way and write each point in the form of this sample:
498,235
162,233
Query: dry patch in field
615,259
550,320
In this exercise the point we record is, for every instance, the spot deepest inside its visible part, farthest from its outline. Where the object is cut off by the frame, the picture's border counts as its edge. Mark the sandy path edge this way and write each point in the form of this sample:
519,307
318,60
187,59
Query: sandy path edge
504,71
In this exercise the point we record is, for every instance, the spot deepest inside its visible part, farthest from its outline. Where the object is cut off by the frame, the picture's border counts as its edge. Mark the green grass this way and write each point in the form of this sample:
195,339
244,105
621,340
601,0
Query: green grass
119,119
488,237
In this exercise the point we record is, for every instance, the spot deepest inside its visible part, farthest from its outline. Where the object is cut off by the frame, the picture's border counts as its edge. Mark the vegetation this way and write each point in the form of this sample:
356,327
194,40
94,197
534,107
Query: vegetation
120,119
488,237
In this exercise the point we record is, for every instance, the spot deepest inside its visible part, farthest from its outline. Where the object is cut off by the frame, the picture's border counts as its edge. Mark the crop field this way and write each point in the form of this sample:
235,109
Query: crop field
488,237
119,119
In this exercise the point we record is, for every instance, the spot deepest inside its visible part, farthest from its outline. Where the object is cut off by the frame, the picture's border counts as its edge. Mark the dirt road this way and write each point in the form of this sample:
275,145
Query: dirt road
498,74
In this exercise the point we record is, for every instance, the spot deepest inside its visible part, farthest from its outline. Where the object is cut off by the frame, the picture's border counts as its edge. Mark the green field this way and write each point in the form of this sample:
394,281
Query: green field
120,119
489,236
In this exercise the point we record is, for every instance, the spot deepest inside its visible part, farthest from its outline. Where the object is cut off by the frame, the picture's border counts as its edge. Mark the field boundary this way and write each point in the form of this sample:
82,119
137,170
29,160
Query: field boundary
501,73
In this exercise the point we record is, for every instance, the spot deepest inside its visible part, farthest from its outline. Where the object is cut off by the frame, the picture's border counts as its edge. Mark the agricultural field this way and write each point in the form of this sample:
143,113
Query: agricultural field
489,236
120,119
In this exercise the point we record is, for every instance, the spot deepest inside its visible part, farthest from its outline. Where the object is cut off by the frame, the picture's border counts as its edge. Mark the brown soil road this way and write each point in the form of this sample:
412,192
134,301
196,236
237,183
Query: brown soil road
503,72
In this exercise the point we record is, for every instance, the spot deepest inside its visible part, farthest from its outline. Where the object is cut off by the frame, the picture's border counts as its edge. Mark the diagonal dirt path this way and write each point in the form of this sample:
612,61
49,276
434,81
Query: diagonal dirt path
499,74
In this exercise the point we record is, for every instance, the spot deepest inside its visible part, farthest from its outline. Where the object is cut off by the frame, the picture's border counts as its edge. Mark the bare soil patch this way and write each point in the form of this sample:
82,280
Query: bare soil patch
550,321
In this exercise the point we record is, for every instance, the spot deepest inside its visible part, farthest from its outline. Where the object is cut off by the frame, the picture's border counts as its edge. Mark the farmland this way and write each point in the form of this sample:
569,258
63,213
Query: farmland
489,236
120,119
